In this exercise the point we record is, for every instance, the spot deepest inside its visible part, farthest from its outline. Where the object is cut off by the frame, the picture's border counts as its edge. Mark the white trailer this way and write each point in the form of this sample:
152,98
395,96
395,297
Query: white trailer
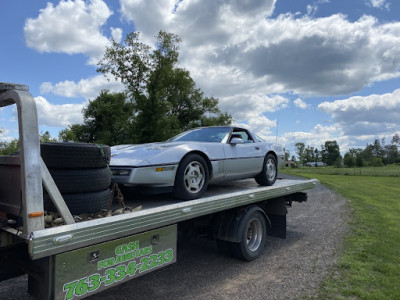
76,260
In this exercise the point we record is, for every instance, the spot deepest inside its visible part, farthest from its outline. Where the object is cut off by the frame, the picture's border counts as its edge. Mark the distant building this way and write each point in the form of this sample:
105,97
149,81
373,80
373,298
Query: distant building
315,164
290,163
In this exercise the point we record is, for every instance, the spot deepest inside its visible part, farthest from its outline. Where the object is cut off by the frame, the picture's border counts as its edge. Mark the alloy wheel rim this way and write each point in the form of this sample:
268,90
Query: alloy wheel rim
194,177
271,169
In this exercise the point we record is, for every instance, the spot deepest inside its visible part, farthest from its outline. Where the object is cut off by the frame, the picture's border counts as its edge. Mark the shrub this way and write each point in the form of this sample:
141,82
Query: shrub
377,162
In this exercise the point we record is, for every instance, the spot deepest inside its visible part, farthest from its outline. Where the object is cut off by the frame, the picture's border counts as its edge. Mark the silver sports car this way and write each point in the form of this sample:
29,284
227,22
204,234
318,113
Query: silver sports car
189,161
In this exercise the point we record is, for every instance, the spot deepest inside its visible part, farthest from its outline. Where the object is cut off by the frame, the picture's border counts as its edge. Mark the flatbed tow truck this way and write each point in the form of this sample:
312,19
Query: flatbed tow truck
79,259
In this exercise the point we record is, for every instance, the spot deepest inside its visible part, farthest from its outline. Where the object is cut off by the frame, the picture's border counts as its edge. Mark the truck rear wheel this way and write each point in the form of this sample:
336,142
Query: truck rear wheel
253,235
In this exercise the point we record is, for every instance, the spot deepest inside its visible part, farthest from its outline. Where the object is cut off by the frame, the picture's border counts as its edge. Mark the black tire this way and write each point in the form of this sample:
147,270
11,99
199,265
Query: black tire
83,202
253,236
81,180
269,171
75,155
191,179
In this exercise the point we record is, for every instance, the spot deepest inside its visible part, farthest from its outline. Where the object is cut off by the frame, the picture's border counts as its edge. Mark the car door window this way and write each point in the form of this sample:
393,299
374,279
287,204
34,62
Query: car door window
243,134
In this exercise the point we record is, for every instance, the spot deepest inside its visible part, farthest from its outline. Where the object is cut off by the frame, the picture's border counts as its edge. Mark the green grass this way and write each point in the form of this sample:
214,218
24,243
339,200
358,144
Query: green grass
390,170
369,267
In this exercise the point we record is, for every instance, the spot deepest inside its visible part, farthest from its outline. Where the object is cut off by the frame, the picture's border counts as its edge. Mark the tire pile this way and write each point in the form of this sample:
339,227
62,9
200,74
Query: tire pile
81,174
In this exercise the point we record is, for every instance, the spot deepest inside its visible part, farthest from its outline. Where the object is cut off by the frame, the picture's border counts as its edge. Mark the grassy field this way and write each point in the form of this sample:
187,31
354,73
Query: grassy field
390,170
369,267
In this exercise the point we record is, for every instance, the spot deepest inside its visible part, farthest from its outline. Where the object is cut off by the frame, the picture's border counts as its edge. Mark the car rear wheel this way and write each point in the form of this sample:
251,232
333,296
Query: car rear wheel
269,172
191,179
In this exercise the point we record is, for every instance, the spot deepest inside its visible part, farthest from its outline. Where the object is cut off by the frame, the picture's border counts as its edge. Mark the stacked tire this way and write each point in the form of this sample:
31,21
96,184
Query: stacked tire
81,173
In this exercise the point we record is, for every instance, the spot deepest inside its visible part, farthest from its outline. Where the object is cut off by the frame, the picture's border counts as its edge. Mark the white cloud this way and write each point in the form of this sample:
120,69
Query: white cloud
86,88
70,27
196,21
300,104
315,138
58,115
261,126
322,56
5,135
379,4
250,110
312,9
244,107
372,115
241,58
116,34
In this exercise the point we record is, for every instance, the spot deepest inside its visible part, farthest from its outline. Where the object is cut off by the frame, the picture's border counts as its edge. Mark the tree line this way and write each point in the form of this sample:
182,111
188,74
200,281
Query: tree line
376,154
159,99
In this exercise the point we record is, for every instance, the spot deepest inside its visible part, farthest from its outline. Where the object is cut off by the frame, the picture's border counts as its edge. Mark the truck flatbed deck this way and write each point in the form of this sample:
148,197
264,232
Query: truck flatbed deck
158,211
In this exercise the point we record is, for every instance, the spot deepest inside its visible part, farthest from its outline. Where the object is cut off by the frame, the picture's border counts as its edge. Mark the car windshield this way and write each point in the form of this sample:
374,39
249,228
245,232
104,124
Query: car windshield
208,134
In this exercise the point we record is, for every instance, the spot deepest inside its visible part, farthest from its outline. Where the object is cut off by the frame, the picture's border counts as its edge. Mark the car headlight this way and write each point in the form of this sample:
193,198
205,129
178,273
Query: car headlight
121,172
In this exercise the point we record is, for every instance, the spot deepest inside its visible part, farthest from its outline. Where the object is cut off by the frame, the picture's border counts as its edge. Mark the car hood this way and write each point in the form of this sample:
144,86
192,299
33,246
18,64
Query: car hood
140,155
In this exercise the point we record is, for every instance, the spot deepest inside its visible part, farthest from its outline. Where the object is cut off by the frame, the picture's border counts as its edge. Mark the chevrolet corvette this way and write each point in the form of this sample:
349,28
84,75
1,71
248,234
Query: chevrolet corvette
188,162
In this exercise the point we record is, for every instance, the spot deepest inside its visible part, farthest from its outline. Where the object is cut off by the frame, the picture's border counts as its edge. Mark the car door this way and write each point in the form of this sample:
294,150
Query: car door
242,159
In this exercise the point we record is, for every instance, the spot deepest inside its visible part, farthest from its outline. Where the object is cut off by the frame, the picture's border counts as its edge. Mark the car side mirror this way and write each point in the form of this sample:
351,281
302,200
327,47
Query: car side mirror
236,140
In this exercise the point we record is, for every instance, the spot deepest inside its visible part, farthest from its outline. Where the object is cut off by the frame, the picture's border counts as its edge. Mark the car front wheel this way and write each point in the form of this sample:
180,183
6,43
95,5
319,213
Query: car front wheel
269,172
191,179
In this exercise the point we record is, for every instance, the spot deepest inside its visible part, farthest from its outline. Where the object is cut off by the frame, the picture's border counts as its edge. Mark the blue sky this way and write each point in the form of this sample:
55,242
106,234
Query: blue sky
295,71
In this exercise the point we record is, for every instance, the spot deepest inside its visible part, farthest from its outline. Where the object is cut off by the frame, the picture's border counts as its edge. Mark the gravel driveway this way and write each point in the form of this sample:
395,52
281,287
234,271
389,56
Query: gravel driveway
289,268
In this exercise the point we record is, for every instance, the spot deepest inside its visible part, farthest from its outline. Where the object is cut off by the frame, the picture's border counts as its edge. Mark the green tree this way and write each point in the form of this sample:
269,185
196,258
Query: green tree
107,120
46,137
354,158
164,97
377,148
349,160
392,152
287,155
309,154
338,162
7,148
374,151
300,149
330,152
396,139
75,133
377,162
359,161
367,153
316,154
